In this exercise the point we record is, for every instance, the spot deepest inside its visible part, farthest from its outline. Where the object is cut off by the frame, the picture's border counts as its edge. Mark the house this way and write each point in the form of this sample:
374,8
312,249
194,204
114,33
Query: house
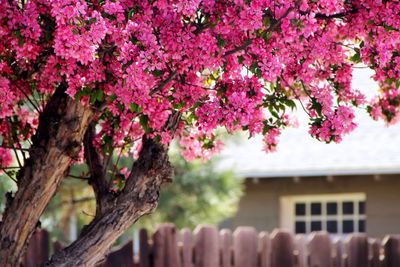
305,186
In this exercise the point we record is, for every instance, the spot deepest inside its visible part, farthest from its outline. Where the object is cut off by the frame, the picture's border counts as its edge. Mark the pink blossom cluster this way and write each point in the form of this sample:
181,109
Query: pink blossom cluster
236,64
5,158
198,144
234,105
271,140
334,126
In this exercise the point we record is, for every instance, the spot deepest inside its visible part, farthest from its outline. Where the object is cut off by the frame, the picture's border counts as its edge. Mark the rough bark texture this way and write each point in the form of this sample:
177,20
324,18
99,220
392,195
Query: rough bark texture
139,197
58,140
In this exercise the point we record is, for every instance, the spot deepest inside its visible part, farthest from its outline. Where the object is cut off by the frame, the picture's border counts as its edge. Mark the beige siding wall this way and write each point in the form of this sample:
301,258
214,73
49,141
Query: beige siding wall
260,206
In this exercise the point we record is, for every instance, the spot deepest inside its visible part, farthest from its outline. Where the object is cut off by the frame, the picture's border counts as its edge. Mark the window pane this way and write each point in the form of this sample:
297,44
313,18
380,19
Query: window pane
331,227
316,208
361,226
348,226
361,207
316,226
300,227
300,209
331,208
348,207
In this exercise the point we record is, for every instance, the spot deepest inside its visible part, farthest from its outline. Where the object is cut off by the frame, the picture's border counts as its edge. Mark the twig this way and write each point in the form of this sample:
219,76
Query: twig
163,83
8,175
78,177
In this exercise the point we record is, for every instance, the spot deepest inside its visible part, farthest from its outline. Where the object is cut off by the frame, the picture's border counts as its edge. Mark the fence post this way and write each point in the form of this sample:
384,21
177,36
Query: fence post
357,250
301,251
282,249
225,244
144,249
320,250
391,246
38,249
264,249
374,252
245,247
206,252
165,249
338,251
121,257
187,248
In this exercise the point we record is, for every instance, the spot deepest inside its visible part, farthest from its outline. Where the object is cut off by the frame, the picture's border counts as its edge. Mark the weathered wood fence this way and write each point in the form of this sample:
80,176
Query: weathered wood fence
208,247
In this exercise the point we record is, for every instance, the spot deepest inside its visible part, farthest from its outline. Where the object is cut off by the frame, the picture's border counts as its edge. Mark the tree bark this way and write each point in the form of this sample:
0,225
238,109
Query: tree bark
57,141
139,197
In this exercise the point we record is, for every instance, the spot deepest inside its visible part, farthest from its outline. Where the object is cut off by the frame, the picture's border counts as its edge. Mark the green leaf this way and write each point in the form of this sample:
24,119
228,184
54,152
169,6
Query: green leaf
99,95
157,73
20,42
356,58
112,97
389,28
135,108
220,42
144,123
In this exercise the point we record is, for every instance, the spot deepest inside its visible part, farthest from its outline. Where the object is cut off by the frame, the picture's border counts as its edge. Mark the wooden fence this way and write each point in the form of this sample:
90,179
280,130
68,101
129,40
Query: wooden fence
208,247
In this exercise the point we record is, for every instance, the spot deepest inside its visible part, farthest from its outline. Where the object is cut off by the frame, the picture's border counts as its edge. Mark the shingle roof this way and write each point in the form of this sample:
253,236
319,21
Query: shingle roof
372,148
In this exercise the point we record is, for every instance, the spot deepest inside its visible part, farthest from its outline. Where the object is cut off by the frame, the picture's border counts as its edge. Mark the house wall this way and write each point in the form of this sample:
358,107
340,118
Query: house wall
260,205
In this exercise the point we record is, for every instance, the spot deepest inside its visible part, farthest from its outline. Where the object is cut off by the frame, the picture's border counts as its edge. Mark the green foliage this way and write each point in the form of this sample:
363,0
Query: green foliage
6,185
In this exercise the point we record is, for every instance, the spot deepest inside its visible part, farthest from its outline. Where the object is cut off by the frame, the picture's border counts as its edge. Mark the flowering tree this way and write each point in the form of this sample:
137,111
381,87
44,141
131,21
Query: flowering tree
97,81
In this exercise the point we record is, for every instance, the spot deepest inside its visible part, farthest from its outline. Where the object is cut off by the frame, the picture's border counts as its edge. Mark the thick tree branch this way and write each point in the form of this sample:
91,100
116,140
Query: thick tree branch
57,141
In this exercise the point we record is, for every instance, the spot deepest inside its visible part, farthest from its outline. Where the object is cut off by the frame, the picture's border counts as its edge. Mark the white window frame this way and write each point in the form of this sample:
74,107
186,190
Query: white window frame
288,217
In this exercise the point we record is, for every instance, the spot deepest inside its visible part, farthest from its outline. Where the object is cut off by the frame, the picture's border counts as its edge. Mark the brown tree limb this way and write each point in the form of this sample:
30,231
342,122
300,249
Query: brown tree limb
57,141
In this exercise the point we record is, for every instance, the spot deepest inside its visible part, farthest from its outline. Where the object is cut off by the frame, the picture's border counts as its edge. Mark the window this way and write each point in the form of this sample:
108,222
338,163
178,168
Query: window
334,213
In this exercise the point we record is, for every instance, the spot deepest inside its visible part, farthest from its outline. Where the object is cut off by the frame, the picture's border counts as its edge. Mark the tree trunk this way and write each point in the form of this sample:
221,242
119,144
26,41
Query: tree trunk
139,197
58,140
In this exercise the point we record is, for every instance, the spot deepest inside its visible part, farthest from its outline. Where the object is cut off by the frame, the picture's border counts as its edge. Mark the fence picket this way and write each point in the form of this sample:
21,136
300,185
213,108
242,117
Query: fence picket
206,251
144,249
301,253
282,247
374,252
245,245
225,244
320,250
357,250
187,248
121,257
38,249
391,246
165,247
264,249
338,254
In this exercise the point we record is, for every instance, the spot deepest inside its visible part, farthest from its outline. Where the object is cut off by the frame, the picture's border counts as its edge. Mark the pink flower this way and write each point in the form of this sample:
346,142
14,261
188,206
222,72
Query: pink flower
5,157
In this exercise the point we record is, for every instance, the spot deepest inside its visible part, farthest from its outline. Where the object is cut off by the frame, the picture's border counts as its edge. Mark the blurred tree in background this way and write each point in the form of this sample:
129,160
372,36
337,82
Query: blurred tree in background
199,194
